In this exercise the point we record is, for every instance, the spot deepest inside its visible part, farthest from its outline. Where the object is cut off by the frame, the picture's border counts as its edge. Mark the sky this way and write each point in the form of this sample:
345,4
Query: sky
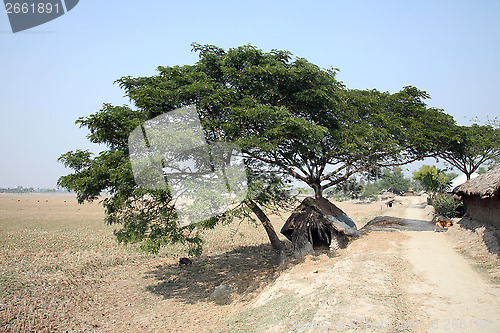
55,73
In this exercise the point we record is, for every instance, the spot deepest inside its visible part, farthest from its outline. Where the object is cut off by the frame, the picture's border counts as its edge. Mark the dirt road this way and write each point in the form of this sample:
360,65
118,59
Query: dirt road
452,293
399,277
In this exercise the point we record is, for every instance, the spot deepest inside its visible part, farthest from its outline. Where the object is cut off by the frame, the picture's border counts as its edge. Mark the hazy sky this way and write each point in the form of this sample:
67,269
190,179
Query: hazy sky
52,74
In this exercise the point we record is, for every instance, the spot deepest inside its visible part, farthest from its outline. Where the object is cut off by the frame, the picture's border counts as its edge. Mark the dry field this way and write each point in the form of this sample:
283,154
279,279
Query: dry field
62,270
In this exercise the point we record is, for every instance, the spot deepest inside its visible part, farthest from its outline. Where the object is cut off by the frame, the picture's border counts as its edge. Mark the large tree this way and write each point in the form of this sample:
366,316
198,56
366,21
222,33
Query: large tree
294,118
472,147
293,115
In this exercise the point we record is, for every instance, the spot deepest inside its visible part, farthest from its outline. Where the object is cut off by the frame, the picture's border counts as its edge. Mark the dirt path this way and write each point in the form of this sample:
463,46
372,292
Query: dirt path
453,294
398,277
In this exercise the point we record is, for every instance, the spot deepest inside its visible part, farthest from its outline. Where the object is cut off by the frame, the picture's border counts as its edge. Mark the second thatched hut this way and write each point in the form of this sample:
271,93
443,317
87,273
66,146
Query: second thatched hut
481,197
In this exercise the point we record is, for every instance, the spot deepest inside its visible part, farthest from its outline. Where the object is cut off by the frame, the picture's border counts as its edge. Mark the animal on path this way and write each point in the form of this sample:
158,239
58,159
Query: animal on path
442,224
185,262
392,201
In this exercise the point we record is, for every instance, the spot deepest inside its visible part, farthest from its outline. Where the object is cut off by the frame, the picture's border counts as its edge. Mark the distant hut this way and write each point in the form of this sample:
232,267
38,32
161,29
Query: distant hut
387,195
410,192
318,224
481,197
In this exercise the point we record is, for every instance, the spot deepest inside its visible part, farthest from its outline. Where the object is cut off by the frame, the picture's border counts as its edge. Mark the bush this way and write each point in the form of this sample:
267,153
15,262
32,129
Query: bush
447,205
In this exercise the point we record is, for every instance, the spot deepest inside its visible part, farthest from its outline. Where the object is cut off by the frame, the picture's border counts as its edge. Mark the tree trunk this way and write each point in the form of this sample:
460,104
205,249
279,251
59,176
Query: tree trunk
318,191
266,223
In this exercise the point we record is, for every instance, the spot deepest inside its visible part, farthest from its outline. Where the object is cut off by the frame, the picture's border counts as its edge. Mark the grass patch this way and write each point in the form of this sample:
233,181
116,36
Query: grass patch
277,310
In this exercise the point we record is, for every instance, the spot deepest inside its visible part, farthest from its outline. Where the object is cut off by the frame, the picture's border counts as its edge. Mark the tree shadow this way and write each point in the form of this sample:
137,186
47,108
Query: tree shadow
490,233
390,223
217,277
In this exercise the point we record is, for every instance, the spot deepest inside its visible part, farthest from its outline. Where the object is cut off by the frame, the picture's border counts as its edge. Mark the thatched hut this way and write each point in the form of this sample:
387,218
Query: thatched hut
387,195
318,224
481,197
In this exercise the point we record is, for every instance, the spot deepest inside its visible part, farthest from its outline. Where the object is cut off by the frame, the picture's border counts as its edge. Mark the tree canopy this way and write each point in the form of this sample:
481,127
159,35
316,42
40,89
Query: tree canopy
148,215
472,147
394,180
291,119
293,115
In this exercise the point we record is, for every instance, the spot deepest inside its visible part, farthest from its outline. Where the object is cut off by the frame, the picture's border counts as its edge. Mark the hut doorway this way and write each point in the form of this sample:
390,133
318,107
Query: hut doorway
320,238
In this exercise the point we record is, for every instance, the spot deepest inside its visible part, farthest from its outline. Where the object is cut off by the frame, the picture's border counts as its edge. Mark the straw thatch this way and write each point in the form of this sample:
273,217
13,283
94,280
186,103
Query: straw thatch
485,186
481,197
318,224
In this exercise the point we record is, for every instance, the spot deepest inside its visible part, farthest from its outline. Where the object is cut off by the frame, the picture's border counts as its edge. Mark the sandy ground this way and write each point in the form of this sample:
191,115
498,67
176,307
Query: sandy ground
452,293
400,276
67,275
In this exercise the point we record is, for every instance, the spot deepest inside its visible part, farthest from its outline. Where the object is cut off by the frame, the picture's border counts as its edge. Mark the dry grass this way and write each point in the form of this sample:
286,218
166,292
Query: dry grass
61,269
53,252
56,256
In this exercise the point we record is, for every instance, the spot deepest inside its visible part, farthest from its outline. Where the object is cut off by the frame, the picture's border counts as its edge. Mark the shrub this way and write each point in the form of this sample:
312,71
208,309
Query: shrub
447,205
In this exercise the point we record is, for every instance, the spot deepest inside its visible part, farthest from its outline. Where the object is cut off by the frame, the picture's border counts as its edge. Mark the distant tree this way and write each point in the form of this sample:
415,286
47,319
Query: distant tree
434,180
394,180
370,190
473,147
350,188
18,189
416,185
481,170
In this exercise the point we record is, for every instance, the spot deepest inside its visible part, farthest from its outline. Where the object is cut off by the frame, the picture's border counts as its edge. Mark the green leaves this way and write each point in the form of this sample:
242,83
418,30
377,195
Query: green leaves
447,205
110,170
77,160
294,115
394,180
290,117
112,125
434,180
470,147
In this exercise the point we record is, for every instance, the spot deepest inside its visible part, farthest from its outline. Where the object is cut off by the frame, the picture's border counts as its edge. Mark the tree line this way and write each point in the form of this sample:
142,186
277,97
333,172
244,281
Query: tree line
22,189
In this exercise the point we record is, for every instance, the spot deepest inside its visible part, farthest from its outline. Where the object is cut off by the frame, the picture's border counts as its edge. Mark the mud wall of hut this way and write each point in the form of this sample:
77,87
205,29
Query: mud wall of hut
484,210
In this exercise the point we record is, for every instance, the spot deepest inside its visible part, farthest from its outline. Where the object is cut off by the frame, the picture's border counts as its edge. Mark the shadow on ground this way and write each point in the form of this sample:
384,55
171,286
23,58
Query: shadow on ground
490,234
220,278
390,223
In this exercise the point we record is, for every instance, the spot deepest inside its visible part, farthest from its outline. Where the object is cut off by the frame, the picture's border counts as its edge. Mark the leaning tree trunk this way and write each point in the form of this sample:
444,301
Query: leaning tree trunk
318,190
276,243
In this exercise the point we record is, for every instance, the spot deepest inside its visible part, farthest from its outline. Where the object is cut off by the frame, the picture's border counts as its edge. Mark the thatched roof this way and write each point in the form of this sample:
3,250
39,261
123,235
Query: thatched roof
485,186
314,213
461,180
